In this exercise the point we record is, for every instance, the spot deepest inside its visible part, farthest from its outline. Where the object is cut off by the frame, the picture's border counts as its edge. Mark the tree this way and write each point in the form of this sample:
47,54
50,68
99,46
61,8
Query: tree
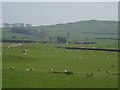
21,28
6,25
13,36
61,39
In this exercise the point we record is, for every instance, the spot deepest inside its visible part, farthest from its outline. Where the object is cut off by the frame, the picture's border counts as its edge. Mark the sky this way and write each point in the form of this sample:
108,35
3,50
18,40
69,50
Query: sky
46,13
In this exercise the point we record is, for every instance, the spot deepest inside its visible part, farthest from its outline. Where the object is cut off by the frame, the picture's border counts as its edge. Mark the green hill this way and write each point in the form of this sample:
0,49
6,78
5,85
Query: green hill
75,31
83,29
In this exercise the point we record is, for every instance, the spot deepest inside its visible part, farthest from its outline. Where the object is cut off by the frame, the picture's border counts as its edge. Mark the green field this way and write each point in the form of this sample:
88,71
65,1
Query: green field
42,57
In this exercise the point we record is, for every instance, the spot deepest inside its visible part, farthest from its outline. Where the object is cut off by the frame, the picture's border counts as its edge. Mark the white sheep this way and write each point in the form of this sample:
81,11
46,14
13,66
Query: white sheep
19,44
27,70
68,72
24,50
12,68
51,69
107,57
65,71
66,42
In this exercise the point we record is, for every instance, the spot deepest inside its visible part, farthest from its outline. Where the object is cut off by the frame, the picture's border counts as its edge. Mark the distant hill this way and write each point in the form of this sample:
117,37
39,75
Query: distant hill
74,31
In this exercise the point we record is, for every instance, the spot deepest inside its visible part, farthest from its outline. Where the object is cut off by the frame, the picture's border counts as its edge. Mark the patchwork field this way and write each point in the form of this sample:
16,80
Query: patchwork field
42,57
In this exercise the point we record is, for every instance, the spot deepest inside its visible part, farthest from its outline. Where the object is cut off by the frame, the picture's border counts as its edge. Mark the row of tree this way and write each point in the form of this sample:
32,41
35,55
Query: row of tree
26,29
29,29
7,25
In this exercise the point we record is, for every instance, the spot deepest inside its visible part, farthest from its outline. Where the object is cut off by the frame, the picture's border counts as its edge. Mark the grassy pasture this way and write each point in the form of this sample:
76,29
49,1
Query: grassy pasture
42,57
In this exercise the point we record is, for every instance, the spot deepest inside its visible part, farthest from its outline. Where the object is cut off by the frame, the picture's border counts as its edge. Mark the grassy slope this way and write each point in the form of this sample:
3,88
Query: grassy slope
42,59
75,30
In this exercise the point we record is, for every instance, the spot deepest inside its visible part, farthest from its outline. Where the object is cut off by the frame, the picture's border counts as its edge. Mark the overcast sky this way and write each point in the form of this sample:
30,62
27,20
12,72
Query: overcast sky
41,13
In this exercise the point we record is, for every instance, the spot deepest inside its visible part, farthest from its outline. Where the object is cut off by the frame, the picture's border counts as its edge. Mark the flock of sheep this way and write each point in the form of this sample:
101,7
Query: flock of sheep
28,69
64,71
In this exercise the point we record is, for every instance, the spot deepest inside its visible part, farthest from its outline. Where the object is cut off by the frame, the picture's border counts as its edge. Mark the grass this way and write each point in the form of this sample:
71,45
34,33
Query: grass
42,57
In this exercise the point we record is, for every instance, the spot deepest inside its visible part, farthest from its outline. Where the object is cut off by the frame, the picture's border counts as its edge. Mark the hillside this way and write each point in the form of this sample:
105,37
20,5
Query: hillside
75,31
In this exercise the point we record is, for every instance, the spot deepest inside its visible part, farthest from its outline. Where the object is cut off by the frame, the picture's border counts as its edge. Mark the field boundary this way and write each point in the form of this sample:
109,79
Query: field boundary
100,49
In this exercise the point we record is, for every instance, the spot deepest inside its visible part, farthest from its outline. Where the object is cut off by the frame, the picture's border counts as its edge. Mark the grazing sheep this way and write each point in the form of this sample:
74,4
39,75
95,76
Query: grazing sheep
32,69
107,57
24,50
99,69
51,69
27,70
68,72
108,72
8,47
19,44
66,42
89,74
12,68
65,71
